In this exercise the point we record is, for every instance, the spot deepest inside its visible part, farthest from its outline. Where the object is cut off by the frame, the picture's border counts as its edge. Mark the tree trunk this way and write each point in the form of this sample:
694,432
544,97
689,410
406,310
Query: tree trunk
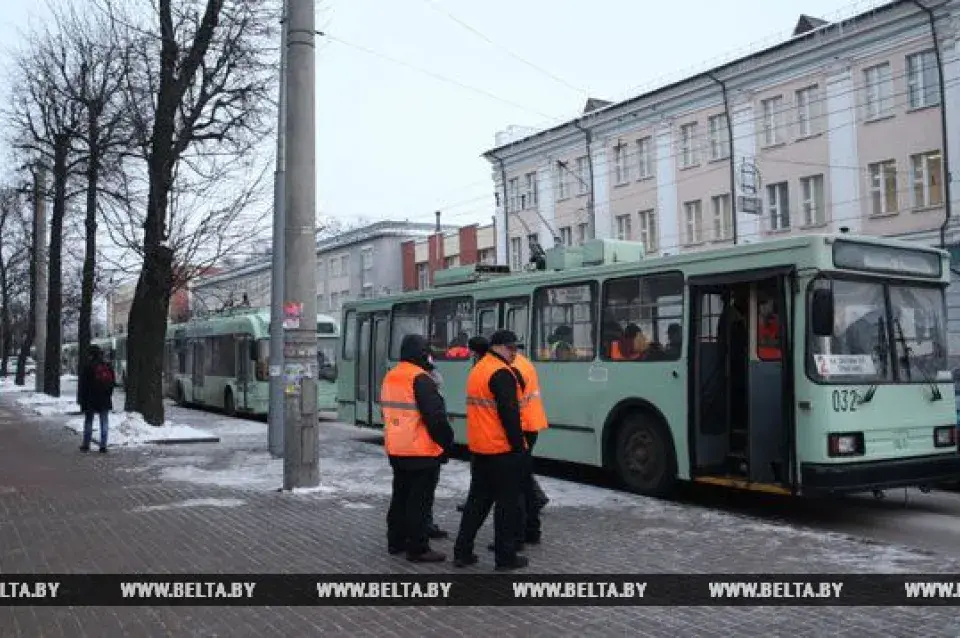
84,328
31,329
51,363
6,338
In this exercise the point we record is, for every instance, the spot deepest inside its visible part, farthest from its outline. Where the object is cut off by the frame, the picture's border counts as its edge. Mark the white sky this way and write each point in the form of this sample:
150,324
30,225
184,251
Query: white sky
397,143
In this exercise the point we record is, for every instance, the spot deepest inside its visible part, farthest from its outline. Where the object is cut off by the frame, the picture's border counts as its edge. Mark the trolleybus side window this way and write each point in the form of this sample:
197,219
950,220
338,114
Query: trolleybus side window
488,321
221,356
349,335
643,318
407,318
711,308
451,324
768,323
565,322
516,319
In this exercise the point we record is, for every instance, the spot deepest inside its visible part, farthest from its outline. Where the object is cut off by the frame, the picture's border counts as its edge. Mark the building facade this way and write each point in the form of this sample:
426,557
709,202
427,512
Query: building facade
353,265
421,258
839,127
121,299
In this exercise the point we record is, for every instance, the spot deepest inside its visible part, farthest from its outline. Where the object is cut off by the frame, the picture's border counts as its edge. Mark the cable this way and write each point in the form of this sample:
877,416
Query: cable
466,26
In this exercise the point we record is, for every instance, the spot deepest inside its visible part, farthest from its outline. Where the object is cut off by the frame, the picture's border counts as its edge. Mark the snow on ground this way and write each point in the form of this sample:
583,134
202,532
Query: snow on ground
46,405
193,502
7,386
130,429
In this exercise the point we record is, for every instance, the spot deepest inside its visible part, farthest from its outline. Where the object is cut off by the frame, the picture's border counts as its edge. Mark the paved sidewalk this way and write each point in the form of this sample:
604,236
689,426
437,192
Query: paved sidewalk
62,511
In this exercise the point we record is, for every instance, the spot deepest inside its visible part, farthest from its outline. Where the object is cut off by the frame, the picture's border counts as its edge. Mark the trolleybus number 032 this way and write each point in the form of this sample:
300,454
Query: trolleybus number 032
845,400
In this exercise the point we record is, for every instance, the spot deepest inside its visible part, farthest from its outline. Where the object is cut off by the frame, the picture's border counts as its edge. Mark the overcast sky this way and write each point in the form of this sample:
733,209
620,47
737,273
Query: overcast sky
398,143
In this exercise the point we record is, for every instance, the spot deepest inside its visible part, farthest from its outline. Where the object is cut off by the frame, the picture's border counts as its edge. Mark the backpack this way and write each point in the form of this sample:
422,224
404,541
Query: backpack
104,375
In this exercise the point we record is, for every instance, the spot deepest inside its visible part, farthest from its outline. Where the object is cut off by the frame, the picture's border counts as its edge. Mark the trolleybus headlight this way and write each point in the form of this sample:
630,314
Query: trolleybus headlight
846,444
945,436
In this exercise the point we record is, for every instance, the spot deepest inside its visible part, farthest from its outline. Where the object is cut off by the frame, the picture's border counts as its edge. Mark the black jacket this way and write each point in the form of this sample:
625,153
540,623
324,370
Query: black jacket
503,385
94,395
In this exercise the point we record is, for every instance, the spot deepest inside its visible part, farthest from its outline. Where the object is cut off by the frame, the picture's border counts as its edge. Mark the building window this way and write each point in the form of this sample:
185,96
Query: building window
583,174
926,175
451,262
581,234
778,205
564,321
811,194
345,265
563,185
722,219
693,219
648,230
772,116
516,253
423,277
335,267
879,88
530,192
688,145
808,111
643,318
366,264
486,256
620,163
624,230
513,194
644,158
566,236
923,81
883,187
719,140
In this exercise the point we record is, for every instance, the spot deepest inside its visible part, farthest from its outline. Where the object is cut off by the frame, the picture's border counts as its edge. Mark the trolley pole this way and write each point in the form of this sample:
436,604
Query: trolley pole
275,413
300,442
40,264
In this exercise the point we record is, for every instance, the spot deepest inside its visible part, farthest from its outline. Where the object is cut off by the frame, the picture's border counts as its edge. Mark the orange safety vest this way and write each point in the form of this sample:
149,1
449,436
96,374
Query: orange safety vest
533,417
485,433
458,352
768,340
405,432
617,354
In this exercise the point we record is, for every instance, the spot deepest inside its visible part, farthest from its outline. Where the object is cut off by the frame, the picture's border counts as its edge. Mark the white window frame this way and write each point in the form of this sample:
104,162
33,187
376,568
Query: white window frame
645,158
722,218
530,190
719,142
621,163
624,227
812,202
516,253
778,203
647,230
880,173
772,109
693,222
335,267
513,194
808,111
920,95
566,235
688,145
920,176
563,185
583,173
877,90
582,229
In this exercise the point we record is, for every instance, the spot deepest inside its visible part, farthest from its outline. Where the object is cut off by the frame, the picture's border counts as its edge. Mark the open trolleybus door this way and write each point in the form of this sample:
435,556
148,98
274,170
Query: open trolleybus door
373,341
380,361
742,427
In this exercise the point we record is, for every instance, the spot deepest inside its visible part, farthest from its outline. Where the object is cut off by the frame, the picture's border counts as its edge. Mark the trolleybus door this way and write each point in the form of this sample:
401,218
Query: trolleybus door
364,334
199,360
244,364
380,365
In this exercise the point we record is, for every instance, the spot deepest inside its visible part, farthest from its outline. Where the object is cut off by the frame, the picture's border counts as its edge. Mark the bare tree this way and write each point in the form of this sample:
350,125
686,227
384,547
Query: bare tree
14,266
198,92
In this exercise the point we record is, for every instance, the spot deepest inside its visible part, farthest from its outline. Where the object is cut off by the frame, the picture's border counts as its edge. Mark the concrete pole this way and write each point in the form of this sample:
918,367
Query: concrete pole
275,428
300,443
40,263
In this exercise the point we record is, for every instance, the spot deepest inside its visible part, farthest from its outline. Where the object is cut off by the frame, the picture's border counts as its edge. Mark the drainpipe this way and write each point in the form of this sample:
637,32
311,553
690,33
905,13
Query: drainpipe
506,212
943,123
590,199
733,181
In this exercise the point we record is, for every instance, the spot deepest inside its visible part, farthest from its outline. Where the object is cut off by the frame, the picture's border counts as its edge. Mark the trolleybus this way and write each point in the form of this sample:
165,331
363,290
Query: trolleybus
222,361
801,365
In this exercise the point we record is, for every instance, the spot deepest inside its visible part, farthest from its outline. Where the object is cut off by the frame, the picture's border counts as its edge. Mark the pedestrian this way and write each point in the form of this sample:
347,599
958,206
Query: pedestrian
433,530
417,437
479,346
533,419
495,440
95,392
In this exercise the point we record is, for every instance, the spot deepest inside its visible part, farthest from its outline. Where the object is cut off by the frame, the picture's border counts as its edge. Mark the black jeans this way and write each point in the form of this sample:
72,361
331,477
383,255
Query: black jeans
494,483
408,513
529,512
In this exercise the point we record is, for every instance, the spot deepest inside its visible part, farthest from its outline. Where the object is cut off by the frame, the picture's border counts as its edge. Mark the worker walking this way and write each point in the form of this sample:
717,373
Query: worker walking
417,438
495,440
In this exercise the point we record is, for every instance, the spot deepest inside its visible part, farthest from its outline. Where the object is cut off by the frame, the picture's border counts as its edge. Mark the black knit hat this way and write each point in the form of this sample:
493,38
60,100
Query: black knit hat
503,338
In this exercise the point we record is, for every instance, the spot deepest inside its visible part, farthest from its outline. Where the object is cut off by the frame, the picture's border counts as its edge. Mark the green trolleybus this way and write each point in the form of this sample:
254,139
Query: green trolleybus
222,361
802,365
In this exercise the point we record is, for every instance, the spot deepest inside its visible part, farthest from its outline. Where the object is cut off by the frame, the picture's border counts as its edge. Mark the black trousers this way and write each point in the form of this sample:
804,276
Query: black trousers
529,491
409,508
494,483
430,497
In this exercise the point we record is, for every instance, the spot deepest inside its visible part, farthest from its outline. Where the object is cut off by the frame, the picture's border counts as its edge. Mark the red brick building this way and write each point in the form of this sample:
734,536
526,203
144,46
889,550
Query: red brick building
423,257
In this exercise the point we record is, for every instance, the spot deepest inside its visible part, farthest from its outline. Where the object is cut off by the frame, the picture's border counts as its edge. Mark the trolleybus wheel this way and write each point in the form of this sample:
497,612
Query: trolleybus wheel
645,458
228,405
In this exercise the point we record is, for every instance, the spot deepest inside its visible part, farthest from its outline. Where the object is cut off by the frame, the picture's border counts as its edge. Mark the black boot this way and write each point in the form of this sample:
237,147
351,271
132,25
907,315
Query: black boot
518,562
435,532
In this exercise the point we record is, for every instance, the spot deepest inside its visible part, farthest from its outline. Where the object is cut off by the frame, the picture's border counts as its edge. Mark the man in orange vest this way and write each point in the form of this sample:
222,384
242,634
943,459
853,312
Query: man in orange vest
495,440
417,438
533,419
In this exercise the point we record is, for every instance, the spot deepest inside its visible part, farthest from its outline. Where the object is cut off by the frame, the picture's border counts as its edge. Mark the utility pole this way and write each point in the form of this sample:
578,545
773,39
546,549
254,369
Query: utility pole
300,443
275,414
40,264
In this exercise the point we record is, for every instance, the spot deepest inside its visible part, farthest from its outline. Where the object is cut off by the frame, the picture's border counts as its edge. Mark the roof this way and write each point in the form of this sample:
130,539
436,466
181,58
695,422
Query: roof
816,26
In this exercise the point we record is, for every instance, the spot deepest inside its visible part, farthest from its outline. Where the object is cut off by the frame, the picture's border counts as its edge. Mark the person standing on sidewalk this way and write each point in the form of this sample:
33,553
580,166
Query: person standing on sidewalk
433,530
417,437
96,383
533,419
495,440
